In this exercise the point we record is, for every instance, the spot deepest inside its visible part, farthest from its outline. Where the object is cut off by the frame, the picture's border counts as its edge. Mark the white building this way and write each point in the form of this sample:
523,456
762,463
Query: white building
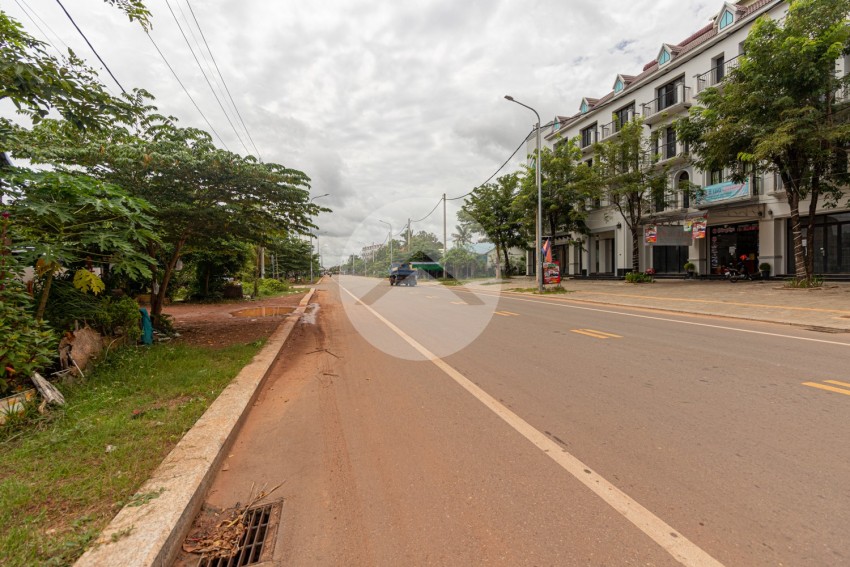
748,219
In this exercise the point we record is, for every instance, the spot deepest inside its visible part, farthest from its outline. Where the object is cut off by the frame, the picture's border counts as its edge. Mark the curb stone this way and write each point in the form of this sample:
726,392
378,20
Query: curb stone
151,534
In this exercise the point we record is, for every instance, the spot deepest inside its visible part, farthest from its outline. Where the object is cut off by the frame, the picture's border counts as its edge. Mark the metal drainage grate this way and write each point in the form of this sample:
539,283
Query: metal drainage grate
251,545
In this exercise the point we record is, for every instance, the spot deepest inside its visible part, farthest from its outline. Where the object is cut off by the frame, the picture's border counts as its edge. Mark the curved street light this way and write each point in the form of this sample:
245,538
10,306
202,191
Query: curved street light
539,221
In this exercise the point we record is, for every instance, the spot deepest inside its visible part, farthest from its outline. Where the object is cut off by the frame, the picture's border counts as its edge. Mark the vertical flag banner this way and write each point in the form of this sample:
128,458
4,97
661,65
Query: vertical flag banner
547,250
699,228
650,234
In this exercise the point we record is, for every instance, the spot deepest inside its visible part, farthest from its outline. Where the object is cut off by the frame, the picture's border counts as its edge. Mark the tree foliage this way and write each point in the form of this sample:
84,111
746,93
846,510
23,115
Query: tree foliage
564,182
491,208
627,174
783,110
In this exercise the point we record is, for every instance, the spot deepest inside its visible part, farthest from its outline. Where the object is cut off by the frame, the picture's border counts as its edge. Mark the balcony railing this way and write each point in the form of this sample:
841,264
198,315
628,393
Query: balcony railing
716,74
670,150
588,138
614,127
667,103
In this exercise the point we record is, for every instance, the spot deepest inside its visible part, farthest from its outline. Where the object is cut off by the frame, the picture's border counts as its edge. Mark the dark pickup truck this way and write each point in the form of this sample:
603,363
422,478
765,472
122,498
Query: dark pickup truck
402,274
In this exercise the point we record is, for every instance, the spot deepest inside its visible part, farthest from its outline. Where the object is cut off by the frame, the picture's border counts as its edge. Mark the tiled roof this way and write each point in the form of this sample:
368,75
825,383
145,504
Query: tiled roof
687,44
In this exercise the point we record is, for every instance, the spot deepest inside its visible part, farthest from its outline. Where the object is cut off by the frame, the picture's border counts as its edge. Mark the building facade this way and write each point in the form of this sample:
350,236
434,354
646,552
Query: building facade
729,220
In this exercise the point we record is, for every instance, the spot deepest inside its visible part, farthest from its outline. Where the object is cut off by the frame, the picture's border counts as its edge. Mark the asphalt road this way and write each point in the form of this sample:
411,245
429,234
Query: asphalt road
436,426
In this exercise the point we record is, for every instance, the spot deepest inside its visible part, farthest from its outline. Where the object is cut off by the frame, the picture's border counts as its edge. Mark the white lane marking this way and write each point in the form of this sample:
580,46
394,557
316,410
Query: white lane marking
681,548
566,306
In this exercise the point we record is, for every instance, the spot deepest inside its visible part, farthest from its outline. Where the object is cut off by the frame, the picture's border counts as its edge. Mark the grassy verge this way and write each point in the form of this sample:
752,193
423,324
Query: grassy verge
546,291
65,475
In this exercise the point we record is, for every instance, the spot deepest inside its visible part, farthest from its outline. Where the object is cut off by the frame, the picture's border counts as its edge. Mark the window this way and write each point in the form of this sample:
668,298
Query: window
715,177
718,69
618,86
584,106
668,95
685,187
664,57
623,116
670,143
726,19
588,136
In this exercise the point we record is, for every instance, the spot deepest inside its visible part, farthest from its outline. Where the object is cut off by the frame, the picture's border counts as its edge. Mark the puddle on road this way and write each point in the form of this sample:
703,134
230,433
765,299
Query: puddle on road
264,312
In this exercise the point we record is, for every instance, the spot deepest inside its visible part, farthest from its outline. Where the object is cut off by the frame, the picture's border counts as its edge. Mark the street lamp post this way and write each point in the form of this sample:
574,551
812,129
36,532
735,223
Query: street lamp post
311,239
390,239
539,221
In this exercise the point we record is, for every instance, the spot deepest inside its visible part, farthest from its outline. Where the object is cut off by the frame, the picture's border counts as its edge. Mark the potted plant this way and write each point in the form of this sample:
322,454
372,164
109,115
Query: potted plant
690,269
764,268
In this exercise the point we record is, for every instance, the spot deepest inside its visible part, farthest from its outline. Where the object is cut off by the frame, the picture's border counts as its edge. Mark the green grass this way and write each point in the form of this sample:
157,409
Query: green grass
59,486
546,291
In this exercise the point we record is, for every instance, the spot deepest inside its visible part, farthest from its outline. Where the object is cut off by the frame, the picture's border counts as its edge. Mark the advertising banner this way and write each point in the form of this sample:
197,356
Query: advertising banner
720,192
551,273
698,230
673,235
650,235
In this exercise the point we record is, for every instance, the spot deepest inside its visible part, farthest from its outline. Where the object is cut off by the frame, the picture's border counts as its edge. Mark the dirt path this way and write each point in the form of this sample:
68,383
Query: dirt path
215,326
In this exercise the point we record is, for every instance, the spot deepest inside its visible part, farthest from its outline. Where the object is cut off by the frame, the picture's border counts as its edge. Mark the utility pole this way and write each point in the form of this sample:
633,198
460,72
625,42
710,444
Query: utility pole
408,235
445,239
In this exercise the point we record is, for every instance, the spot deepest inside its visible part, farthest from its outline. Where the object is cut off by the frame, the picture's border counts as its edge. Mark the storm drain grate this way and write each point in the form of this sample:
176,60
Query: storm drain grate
250,548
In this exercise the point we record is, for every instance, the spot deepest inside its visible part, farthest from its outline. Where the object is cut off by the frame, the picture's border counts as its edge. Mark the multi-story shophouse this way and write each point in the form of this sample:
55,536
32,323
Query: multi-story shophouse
747,219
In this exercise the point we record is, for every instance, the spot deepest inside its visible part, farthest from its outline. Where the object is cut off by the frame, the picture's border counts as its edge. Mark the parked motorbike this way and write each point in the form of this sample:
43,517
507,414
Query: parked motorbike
735,273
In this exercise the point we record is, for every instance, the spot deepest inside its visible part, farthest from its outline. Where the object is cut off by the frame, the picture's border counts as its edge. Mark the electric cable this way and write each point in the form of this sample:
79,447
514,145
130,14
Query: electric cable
524,140
209,84
431,213
215,63
99,58
198,108
26,12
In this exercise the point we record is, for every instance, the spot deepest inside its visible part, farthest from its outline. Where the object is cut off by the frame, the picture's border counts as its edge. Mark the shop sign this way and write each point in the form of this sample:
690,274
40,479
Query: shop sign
726,191
673,235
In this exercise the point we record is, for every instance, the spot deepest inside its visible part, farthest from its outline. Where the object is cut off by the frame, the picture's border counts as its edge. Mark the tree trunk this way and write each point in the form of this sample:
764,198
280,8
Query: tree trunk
156,310
635,248
42,304
797,235
256,291
507,261
207,272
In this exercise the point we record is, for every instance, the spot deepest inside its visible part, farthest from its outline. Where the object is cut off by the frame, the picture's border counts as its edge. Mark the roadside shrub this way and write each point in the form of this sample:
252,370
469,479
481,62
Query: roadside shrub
120,316
270,286
26,345
638,277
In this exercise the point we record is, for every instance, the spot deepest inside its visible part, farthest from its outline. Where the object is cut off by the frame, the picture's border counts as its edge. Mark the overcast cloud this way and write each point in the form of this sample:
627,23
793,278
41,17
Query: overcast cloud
385,105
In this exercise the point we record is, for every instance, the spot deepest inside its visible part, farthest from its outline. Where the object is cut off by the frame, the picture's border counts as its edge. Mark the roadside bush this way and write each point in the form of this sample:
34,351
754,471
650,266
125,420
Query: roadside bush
638,277
120,316
804,283
270,286
26,345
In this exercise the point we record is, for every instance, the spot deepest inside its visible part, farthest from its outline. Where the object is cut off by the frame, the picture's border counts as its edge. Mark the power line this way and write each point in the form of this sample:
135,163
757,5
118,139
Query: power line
204,73
524,140
26,11
431,213
236,108
198,108
105,66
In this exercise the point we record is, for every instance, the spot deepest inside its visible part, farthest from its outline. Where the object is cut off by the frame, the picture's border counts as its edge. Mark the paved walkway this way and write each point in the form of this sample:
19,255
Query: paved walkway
827,307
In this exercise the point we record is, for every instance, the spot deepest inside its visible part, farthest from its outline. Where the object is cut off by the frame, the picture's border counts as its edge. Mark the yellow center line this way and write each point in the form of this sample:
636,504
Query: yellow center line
506,313
837,383
590,333
827,388
457,302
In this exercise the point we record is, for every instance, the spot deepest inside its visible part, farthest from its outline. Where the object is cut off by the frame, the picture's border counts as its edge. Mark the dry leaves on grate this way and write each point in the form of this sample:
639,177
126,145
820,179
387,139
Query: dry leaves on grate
224,539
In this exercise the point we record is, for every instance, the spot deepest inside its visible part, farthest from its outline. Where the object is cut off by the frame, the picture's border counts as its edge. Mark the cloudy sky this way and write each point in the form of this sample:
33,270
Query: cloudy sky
386,105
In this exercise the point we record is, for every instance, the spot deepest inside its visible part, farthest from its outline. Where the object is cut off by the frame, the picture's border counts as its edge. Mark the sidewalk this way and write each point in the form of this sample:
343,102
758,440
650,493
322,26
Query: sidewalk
826,308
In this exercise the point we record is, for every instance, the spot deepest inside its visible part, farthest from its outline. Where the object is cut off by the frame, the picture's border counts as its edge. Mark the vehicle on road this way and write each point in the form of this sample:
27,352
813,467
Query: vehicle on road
402,273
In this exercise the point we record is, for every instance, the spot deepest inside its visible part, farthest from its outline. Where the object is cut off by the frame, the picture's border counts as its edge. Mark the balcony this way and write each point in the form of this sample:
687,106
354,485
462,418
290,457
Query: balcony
613,128
669,153
666,104
716,75
588,138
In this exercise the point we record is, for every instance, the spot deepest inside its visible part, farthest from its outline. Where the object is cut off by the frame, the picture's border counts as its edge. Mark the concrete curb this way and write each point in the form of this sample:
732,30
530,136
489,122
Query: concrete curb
151,533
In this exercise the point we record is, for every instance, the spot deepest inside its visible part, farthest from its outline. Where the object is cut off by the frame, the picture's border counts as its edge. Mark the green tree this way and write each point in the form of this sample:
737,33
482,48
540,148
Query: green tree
491,208
564,181
197,189
783,110
462,237
625,170
67,219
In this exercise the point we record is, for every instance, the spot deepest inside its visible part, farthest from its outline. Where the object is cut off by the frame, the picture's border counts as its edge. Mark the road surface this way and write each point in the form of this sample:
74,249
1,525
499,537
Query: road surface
436,426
